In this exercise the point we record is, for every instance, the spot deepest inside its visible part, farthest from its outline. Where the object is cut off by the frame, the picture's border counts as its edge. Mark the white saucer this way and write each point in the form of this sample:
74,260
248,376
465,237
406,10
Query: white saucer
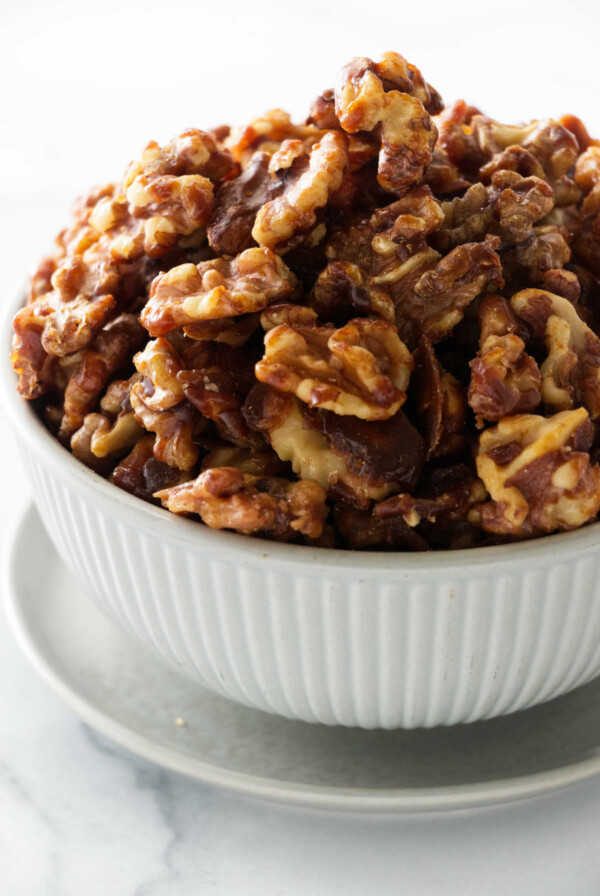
118,688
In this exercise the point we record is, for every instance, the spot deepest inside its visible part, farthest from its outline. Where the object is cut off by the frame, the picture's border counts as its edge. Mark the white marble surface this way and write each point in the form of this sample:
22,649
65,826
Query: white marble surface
79,816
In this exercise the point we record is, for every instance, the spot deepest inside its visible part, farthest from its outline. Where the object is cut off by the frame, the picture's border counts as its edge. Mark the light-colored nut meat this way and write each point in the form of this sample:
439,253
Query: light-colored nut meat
226,498
171,187
538,474
216,289
160,363
571,372
361,369
390,99
295,211
175,428
505,379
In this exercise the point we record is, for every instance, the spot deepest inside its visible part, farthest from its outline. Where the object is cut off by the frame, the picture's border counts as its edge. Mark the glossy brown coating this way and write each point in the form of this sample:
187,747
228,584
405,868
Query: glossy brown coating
374,330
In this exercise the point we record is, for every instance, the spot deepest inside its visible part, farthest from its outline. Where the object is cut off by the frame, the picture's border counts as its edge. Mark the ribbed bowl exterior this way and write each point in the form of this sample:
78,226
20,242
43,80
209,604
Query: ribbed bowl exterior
383,649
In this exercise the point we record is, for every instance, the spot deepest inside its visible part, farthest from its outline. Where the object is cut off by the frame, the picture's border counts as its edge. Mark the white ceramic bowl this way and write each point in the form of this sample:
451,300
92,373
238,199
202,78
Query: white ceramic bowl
377,640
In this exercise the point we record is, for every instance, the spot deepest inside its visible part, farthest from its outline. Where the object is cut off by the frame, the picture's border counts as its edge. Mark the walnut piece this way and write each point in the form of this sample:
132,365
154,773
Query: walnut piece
390,99
226,498
216,289
505,380
311,179
538,474
160,363
571,372
175,428
171,187
440,402
361,369
141,474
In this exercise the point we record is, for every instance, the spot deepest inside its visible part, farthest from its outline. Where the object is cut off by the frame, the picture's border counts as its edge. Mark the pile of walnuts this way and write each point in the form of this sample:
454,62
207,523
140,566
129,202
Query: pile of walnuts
374,330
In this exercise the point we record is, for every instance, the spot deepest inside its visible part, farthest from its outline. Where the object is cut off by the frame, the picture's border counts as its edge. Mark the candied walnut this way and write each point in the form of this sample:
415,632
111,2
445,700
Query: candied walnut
479,146
217,385
391,99
141,474
311,178
538,474
515,158
175,428
267,134
216,289
586,238
226,498
361,369
532,260
508,208
362,461
40,281
457,279
229,330
372,261
160,363
288,315
549,142
171,187
445,498
237,203
30,360
579,131
571,372
80,303
441,175
99,442
440,402
504,378
91,370
362,530
388,269
258,463
562,283
343,290
380,453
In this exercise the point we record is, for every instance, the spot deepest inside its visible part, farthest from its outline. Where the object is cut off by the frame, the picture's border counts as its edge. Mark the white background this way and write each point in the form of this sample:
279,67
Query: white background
82,88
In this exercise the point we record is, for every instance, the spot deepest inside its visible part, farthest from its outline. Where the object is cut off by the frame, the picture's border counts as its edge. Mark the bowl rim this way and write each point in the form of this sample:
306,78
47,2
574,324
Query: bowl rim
136,513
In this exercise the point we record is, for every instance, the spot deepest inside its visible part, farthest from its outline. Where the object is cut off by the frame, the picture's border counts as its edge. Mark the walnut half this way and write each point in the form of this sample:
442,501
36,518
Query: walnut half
361,369
538,474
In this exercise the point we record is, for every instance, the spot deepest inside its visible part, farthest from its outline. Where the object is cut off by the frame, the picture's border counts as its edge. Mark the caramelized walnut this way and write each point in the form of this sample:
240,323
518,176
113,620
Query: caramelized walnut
91,370
363,531
226,498
220,378
266,134
216,289
100,441
175,428
391,99
258,463
310,180
538,474
171,187
363,461
361,369
141,474
479,146
571,372
504,378
441,403
445,498
443,293
160,364
508,208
